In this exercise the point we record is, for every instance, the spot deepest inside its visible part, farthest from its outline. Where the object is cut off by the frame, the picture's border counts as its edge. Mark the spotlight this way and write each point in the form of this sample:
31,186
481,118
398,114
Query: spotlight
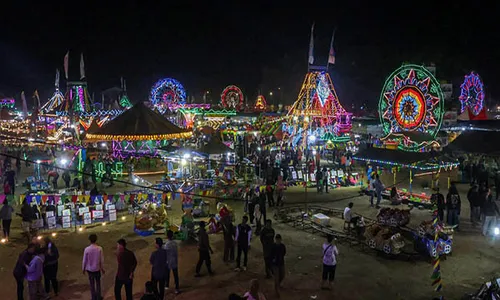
39,237
54,234
80,229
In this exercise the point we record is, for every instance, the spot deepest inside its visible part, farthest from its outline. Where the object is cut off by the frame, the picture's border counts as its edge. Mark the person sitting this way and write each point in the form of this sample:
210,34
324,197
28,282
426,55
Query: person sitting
149,292
254,293
348,215
395,197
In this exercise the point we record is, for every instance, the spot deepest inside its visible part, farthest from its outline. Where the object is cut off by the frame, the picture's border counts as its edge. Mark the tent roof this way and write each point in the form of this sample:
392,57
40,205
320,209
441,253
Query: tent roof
479,142
215,146
413,160
93,127
139,123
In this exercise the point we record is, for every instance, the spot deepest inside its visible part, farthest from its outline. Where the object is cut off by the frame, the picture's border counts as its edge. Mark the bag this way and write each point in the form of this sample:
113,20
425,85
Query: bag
324,251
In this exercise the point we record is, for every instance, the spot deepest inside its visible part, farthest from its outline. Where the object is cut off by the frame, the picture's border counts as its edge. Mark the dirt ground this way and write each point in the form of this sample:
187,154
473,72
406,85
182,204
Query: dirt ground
360,275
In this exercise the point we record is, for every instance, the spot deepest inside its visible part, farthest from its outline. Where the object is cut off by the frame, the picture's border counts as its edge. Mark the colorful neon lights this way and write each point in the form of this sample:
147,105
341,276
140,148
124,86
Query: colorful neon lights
472,94
7,103
167,91
411,100
232,97
261,103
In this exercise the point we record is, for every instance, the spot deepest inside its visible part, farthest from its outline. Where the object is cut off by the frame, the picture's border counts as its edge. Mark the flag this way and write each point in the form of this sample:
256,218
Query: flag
331,54
82,67
57,79
311,46
37,98
25,106
66,64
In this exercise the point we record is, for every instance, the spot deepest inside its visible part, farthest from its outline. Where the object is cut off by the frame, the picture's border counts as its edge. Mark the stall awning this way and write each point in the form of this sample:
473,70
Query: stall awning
412,160
477,142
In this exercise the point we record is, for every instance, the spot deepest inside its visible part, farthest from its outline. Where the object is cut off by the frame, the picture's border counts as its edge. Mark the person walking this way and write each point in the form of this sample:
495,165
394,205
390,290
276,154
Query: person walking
34,273
204,250
125,273
267,241
278,262
6,216
326,179
228,232
453,205
50,266
20,270
474,203
379,187
158,260
371,189
438,199
243,238
172,261
93,264
27,219
490,211
319,181
330,253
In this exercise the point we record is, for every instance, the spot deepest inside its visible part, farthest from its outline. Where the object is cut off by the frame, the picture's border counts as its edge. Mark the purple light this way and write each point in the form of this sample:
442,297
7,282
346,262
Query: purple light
80,95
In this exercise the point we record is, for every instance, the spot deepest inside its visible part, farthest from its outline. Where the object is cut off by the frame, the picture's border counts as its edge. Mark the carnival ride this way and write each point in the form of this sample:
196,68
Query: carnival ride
472,97
387,235
166,94
317,111
232,98
260,103
411,108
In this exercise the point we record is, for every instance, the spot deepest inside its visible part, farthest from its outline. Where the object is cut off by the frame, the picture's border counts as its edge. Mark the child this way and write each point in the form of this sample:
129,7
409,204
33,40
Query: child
149,292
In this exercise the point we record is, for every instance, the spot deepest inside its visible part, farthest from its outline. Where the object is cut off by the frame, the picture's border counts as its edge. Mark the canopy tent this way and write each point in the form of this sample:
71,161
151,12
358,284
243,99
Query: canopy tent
478,142
411,160
214,146
139,123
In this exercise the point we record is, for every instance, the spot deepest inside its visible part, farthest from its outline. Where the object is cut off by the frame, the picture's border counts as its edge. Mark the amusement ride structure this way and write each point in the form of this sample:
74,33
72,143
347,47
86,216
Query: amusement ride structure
317,112
472,98
411,108
232,98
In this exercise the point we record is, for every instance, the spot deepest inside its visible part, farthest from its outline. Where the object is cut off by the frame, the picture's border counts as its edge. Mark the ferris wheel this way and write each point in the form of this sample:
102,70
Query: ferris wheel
472,94
232,97
166,92
411,100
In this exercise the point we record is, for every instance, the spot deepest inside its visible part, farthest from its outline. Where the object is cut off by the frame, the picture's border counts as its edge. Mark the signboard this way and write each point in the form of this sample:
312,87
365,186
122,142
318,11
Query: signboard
300,175
112,215
83,210
66,212
66,221
60,208
51,220
98,207
110,207
97,214
87,218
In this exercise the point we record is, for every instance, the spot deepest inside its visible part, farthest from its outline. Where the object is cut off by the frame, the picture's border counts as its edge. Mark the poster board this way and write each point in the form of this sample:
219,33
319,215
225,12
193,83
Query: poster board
112,215
66,221
87,218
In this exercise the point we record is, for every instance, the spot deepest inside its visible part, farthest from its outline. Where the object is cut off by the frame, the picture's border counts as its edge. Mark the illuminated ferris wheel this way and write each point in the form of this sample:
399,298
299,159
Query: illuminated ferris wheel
232,97
167,92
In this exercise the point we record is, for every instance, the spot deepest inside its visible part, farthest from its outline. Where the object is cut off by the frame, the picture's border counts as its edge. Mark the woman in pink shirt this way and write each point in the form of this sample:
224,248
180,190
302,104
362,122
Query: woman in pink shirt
254,293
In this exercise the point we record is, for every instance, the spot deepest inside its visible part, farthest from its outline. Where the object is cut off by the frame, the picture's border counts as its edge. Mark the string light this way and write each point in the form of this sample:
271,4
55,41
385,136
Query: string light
153,137
426,167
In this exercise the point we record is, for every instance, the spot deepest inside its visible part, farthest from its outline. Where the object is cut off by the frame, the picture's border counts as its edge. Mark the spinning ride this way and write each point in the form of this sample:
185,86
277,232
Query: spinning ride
166,93
232,98
260,103
472,96
317,111
411,108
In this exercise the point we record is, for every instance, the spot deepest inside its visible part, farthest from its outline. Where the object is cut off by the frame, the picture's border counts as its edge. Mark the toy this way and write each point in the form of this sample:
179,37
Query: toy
393,217
385,239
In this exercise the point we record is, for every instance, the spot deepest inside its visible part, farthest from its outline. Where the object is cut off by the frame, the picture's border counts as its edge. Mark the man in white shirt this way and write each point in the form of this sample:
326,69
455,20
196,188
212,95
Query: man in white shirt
93,264
348,214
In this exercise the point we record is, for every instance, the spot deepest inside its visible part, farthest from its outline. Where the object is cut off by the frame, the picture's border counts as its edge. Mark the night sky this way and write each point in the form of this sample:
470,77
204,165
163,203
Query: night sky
208,45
